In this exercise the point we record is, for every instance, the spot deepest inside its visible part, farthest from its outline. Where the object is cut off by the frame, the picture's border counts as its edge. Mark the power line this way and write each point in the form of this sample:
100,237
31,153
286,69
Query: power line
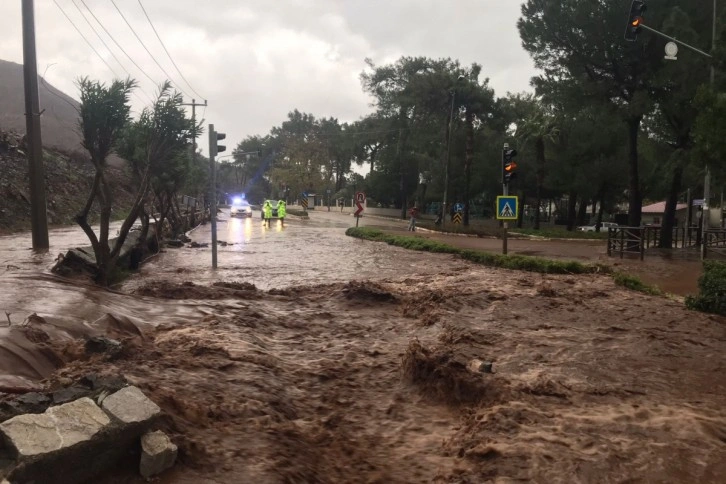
144,46
84,38
117,44
107,48
167,52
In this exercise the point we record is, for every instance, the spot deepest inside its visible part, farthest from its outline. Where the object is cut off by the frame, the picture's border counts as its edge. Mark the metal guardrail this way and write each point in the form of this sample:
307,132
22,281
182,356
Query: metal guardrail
715,242
629,240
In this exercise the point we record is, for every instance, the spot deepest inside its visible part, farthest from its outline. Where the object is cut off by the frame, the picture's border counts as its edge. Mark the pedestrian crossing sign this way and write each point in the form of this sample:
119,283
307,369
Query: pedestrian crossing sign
507,208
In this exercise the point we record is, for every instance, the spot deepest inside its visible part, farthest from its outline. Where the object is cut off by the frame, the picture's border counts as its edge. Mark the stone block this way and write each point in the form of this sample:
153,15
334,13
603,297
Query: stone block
131,406
58,428
158,453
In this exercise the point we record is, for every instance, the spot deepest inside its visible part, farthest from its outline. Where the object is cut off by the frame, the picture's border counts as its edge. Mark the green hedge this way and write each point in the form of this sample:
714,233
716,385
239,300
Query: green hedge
517,262
712,289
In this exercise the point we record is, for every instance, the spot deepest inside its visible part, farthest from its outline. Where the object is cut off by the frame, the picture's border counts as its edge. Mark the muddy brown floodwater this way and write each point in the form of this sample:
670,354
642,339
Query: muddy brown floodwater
313,377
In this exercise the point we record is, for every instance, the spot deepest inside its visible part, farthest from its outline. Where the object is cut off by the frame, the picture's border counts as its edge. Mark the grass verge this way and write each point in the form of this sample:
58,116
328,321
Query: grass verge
633,283
516,262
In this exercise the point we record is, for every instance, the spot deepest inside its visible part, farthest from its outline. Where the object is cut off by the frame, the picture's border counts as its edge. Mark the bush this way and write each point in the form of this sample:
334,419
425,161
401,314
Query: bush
712,289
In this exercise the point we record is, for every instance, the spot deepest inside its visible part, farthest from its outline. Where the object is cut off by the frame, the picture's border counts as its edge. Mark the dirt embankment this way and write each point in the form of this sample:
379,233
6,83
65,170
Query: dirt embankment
68,183
368,382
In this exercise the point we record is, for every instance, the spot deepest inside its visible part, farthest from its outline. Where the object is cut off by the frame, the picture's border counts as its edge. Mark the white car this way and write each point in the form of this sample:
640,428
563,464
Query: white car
603,227
240,208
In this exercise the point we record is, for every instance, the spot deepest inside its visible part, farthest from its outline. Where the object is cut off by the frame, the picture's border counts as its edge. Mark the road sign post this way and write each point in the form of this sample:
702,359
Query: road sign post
507,207
458,213
360,199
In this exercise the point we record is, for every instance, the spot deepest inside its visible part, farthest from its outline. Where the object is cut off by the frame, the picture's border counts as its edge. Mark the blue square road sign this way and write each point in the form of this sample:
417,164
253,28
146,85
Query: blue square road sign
507,208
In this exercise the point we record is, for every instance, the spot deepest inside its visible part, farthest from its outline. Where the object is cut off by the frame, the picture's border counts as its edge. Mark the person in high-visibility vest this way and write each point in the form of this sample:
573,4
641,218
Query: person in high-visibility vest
267,212
281,211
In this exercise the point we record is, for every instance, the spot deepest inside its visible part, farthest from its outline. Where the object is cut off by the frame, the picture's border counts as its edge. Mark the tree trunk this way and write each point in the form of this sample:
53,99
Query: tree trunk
469,156
669,216
540,153
635,202
571,211
582,211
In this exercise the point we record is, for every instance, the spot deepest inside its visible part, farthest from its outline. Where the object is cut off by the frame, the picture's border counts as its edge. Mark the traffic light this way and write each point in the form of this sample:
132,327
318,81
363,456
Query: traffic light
635,20
215,148
509,166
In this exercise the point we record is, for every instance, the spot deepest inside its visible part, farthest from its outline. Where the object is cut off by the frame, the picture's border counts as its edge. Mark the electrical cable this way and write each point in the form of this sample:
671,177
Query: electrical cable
84,38
167,52
109,50
117,44
146,49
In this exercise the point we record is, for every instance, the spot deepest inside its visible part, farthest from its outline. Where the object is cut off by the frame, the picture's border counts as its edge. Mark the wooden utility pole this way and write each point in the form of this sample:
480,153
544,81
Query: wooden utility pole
194,105
38,215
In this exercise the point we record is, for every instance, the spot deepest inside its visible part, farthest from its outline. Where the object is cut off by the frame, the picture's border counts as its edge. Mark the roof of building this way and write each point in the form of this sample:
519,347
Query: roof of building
660,207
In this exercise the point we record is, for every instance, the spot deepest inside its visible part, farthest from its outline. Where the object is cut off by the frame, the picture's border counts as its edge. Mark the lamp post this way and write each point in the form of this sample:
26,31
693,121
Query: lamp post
448,153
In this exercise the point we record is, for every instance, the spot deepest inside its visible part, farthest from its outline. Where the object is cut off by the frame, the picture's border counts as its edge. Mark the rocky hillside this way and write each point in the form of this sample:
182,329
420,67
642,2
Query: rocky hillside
68,173
68,179
59,120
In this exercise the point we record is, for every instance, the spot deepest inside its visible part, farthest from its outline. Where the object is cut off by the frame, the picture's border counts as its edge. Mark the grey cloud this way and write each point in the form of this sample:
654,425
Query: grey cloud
256,60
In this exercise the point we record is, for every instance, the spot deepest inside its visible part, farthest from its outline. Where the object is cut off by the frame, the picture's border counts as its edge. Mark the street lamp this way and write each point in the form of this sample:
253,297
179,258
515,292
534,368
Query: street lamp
448,152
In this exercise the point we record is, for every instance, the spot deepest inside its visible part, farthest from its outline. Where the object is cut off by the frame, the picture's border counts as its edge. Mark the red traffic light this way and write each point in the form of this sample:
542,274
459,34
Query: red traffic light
635,20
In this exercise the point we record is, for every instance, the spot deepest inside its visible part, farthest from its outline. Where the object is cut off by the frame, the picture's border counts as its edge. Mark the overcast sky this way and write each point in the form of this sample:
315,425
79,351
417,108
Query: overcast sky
256,60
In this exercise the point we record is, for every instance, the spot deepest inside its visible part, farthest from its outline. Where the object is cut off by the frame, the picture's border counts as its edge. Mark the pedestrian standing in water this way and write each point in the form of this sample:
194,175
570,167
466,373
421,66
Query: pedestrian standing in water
281,211
413,213
267,212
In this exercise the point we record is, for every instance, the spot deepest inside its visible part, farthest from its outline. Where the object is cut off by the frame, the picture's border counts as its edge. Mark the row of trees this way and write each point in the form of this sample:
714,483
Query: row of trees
609,122
157,146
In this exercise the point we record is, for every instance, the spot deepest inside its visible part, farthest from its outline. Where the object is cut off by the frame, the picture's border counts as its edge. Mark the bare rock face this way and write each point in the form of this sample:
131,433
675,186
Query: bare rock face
130,406
158,453
57,429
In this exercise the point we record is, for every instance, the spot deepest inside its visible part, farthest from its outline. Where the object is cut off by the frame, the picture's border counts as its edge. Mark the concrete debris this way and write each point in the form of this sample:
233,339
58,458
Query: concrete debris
57,429
158,453
130,405
78,441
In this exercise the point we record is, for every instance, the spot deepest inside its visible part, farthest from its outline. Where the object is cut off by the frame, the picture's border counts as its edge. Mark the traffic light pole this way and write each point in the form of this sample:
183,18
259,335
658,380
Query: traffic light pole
505,225
213,193
707,178
38,214
706,211
673,39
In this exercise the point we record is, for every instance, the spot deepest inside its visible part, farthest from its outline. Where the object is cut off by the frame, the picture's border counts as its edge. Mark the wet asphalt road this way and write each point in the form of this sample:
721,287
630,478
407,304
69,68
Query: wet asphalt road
303,252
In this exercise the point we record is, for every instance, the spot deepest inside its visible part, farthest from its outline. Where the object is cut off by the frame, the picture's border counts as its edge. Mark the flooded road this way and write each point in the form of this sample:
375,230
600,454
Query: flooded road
303,252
